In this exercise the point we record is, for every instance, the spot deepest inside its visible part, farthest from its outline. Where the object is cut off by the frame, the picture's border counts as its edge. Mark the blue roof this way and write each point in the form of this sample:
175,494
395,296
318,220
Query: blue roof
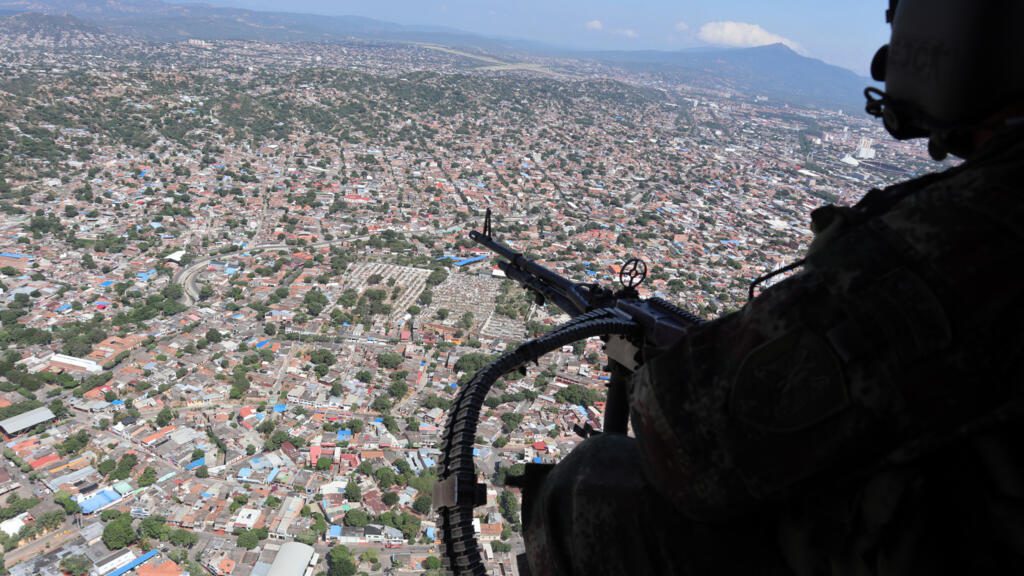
106,283
262,343
344,434
63,307
99,500
245,472
135,563
473,260
334,531
378,420
118,402
196,463
278,408
273,474
14,255
537,460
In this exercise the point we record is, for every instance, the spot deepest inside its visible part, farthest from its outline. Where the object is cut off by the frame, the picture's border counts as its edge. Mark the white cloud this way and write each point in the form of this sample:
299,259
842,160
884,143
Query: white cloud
743,34
594,25
627,33
682,26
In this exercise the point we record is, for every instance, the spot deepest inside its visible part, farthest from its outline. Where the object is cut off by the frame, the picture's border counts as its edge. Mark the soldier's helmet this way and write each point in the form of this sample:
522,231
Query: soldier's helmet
949,66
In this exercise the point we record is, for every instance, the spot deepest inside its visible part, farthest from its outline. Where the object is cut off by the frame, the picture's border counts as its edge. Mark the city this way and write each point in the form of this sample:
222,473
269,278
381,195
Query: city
238,293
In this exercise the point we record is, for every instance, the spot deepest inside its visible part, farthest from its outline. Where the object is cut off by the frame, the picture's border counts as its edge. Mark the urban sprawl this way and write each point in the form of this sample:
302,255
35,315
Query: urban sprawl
237,294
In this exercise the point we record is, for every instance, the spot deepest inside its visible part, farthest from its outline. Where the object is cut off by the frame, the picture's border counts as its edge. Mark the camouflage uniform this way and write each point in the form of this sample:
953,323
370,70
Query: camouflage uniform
859,417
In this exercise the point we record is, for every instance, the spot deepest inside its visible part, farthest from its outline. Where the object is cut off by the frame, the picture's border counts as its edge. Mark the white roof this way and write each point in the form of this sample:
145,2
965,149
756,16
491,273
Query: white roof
292,560
26,420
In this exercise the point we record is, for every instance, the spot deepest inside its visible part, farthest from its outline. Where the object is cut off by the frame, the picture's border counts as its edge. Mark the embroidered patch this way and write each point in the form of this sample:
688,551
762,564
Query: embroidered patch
789,383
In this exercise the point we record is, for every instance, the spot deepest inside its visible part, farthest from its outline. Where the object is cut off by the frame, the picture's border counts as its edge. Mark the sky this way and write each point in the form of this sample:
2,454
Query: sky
841,32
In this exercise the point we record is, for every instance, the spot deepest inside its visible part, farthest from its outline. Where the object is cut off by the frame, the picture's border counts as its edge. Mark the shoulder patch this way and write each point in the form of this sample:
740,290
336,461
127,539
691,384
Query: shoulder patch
789,383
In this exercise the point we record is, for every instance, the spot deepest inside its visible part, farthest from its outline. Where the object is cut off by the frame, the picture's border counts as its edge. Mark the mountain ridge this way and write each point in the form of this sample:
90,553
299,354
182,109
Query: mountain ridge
773,71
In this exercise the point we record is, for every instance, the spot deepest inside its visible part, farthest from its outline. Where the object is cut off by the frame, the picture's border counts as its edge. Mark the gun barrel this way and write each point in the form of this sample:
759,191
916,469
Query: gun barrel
561,291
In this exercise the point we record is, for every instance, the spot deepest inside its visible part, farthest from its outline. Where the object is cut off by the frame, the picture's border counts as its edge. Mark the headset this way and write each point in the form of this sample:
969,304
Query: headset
949,67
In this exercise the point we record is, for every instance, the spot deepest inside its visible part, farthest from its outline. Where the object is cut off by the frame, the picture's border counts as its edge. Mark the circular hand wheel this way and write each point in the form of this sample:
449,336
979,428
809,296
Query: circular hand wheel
633,273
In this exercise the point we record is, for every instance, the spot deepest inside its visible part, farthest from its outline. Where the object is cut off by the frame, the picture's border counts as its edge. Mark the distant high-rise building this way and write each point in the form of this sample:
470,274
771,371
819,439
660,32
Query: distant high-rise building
864,149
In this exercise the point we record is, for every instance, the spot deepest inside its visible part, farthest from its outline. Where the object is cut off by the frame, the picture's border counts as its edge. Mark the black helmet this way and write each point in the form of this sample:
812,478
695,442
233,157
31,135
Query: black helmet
949,66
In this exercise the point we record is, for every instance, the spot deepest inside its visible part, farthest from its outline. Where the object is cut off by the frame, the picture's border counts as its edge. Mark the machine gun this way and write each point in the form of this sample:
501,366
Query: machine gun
628,325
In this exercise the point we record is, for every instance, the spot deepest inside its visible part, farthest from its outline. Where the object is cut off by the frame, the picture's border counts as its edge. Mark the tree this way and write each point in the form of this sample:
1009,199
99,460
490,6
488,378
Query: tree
324,463
398,389
356,518
315,302
164,417
202,472
385,477
389,498
183,538
125,466
370,556
213,336
364,376
422,504
389,360
248,539
154,527
64,500
321,356
148,477
340,562
509,506
381,404
119,533
75,565
352,491
471,363
510,421
436,277
432,563
498,546
578,395
106,467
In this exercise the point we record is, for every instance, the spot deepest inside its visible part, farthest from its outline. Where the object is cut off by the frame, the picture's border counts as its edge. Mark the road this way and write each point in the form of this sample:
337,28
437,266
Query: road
41,546
188,276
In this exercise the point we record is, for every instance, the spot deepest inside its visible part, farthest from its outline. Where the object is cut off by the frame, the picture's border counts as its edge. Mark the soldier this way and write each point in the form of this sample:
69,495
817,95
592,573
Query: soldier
863,415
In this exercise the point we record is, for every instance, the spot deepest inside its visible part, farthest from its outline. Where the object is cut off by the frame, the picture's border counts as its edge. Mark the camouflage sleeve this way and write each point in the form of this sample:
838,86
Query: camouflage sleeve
896,329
